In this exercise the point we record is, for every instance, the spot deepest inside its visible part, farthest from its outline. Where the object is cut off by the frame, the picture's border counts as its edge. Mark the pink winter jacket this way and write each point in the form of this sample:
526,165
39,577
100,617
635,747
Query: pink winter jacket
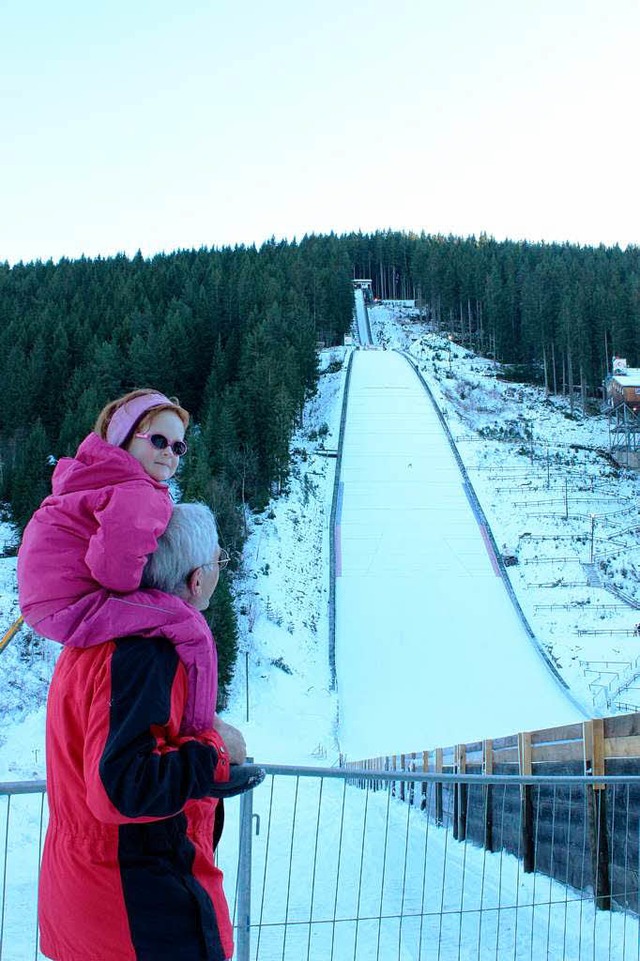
81,561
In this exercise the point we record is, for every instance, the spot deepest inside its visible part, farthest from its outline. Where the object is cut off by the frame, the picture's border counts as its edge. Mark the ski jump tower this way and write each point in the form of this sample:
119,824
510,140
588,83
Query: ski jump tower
365,284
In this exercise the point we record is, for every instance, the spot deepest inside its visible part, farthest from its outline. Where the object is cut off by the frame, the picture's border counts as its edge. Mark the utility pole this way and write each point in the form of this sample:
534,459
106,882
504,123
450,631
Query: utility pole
548,470
246,682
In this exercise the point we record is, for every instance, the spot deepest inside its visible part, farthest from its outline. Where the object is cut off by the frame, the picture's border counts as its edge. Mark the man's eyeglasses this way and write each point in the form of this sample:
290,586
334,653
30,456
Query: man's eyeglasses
222,561
160,442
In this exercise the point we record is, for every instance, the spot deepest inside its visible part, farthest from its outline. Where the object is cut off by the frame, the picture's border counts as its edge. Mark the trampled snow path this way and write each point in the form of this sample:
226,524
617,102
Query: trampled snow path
427,638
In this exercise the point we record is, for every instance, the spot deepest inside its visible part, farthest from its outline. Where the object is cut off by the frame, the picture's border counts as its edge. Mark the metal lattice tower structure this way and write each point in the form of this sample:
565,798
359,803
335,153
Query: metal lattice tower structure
624,435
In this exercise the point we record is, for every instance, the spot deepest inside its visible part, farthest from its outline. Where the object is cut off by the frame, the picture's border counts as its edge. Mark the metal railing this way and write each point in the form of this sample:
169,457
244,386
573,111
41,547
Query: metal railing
318,868
334,523
23,817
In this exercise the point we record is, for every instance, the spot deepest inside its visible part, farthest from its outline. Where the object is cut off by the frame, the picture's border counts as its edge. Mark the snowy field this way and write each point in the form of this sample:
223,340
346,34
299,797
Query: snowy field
428,640
541,480
554,501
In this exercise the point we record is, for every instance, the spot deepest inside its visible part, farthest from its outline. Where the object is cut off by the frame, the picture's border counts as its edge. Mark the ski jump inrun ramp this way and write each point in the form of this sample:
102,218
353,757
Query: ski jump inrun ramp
430,650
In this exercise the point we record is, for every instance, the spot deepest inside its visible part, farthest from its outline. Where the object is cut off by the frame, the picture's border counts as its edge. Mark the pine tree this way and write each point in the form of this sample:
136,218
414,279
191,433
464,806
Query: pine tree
30,476
222,619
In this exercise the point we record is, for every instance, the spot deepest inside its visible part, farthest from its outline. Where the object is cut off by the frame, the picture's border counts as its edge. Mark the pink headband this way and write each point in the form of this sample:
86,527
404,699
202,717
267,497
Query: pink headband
129,414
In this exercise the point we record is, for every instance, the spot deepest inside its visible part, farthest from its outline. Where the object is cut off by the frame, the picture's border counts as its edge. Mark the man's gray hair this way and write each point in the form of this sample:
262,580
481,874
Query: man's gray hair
190,540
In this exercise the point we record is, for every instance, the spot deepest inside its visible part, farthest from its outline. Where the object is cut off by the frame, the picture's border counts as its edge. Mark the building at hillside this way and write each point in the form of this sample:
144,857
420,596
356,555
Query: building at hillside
622,390
623,386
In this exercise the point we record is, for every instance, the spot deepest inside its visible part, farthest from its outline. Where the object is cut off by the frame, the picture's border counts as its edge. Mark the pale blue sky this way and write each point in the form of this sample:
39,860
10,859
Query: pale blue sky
161,125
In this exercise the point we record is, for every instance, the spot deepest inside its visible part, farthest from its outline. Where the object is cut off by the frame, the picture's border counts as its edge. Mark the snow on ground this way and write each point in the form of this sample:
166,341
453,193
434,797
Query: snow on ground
286,707
430,649
419,894
26,666
554,502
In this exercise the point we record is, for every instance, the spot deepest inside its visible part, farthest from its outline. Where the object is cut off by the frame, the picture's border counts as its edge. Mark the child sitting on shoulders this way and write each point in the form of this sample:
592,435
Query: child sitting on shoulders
83,552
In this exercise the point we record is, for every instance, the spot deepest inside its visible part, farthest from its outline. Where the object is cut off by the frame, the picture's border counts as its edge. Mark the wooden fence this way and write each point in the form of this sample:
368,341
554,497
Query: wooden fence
586,835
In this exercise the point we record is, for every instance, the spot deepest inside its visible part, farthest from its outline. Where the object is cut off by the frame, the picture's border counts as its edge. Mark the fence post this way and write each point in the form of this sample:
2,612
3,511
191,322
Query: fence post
593,734
526,805
460,828
424,802
412,784
487,769
439,817
244,877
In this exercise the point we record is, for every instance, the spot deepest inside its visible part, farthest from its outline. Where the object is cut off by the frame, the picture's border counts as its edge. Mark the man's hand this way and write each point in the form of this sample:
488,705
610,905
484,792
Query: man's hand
233,739
242,777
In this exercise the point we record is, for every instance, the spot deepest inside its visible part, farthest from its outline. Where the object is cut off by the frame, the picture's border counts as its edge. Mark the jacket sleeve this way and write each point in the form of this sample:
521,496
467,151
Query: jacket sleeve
130,521
137,767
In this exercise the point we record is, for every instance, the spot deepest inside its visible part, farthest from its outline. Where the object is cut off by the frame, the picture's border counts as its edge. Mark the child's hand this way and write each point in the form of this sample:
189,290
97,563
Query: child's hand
233,739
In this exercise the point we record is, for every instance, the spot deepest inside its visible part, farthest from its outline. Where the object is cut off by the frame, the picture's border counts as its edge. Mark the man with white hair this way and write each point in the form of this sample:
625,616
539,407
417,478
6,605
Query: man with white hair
135,806
175,568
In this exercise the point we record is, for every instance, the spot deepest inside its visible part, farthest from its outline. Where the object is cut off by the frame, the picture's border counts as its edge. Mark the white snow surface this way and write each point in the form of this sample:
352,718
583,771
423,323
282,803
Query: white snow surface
429,648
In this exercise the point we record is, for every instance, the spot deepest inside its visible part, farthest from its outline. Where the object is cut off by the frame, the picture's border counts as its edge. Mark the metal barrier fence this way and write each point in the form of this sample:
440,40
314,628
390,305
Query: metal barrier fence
316,868
23,816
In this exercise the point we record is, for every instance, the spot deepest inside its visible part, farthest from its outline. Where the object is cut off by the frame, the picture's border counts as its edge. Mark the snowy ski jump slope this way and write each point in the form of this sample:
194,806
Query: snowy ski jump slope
430,650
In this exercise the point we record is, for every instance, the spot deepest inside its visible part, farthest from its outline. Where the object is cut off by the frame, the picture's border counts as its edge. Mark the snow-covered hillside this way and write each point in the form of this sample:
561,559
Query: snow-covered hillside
280,695
556,505
552,500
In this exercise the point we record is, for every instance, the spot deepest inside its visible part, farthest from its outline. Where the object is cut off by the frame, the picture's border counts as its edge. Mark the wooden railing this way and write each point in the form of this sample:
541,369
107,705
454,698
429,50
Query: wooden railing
516,818
588,747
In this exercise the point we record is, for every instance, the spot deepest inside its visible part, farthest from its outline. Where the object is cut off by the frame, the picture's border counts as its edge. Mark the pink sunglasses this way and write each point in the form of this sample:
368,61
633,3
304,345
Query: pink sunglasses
160,442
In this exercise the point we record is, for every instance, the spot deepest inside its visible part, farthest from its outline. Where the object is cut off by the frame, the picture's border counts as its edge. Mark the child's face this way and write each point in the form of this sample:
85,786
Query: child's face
159,464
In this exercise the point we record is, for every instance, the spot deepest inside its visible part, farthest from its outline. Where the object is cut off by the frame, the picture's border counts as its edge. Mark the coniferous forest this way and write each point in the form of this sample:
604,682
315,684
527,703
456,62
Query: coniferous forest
233,333
557,312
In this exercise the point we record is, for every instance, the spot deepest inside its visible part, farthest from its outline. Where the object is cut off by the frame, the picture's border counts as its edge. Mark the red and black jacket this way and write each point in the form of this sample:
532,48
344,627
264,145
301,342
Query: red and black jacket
128,870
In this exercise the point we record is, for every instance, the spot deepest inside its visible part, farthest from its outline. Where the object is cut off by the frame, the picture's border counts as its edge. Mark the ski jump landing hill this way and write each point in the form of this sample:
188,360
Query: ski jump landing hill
430,647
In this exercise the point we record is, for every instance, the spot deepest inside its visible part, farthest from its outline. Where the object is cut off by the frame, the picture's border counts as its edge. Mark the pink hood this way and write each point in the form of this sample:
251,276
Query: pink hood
95,530
98,464
81,561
